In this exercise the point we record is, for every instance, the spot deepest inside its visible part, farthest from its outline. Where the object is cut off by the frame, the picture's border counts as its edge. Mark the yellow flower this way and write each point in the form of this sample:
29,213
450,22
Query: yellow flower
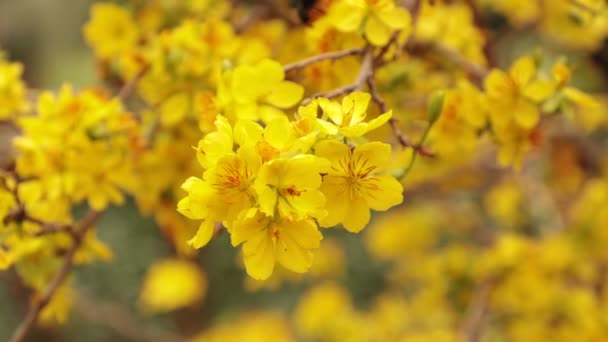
232,180
111,30
75,147
172,284
289,187
347,118
224,192
378,19
515,142
516,93
267,241
260,90
587,110
254,326
325,313
352,185
12,89
216,144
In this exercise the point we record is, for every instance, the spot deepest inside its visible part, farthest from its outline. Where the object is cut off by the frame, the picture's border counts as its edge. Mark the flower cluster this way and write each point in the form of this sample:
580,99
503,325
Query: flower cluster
272,186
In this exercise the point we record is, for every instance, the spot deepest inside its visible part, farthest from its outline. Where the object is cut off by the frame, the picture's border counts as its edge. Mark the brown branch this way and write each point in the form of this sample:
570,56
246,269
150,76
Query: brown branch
323,57
129,86
382,105
34,311
367,69
403,141
584,7
476,71
472,328
20,214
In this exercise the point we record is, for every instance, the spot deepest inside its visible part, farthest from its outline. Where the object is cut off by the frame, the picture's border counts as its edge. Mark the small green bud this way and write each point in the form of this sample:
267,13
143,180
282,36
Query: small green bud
435,106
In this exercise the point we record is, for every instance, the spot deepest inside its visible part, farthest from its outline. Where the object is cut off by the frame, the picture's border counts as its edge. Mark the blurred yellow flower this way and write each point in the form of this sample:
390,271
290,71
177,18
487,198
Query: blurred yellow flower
516,94
12,88
172,284
111,30
378,19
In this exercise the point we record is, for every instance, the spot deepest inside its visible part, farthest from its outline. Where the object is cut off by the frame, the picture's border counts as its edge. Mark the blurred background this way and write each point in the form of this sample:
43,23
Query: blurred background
46,36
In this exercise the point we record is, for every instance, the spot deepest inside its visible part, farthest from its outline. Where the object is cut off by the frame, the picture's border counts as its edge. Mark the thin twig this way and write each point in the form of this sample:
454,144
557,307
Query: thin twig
472,328
20,214
403,141
476,71
323,57
584,7
34,311
129,86
367,69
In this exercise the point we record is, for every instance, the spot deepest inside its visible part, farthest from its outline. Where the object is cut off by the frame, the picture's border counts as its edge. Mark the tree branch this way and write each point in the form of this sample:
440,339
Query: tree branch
472,328
367,69
129,86
323,57
34,311
476,71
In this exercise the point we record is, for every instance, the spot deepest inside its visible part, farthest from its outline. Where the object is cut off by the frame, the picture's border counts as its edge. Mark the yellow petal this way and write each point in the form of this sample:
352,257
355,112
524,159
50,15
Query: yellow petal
247,132
526,114
291,252
388,193
242,88
279,132
522,71
304,171
334,188
247,225
310,203
269,113
362,128
328,127
203,234
267,197
332,110
347,18
259,255
270,73
376,153
376,31
538,91
498,85
304,233
286,94
309,111
174,109
356,104
358,216
396,18
331,150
